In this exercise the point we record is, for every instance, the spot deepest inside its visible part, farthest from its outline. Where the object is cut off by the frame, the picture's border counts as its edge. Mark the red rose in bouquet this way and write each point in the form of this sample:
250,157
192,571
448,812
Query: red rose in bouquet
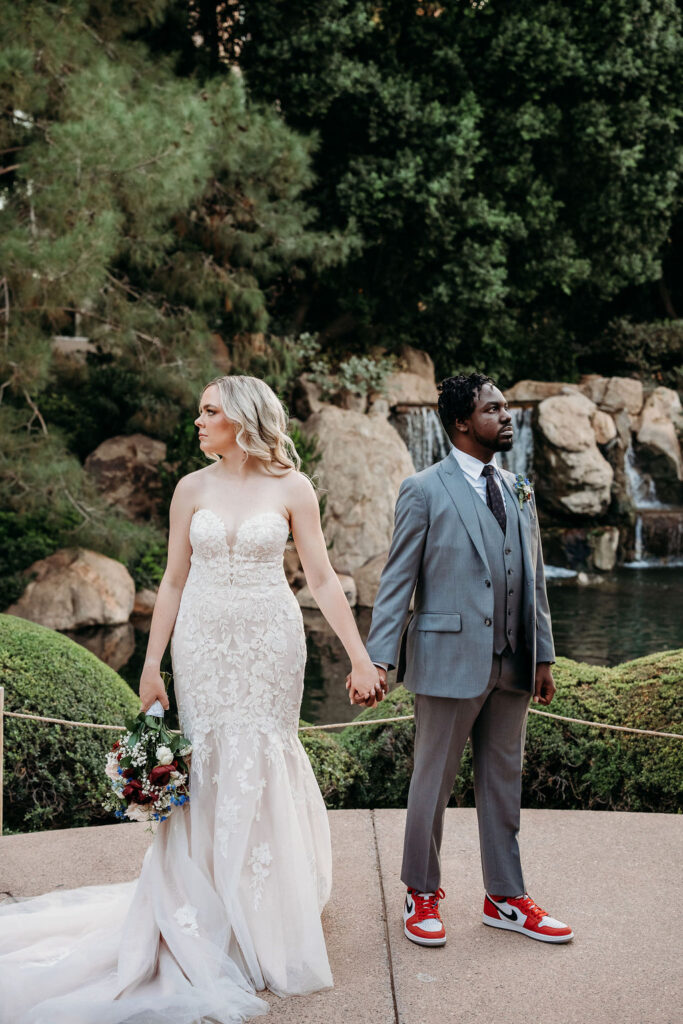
160,775
148,769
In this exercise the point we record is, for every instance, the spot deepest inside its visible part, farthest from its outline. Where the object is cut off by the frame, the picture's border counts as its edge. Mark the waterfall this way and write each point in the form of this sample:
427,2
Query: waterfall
638,546
658,538
425,439
641,485
520,458
658,541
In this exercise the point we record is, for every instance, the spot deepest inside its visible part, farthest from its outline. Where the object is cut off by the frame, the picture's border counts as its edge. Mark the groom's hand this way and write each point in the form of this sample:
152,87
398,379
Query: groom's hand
544,684
371,702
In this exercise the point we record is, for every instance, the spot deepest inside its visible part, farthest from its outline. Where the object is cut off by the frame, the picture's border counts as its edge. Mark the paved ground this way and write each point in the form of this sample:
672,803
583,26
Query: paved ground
615,877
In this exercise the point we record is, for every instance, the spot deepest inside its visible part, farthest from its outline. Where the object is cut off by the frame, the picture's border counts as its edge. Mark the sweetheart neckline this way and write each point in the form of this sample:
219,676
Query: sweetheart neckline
257,515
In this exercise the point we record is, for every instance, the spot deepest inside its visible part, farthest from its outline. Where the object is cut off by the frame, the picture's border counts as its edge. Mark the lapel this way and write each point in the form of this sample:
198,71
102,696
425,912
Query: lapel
524,522
463,497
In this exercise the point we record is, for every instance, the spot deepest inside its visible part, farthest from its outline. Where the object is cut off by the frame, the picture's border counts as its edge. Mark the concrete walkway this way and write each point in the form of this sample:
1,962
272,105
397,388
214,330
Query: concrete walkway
615,877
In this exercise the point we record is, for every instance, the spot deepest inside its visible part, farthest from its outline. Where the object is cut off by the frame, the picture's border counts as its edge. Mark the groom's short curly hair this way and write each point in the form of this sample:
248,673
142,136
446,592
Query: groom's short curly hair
457,396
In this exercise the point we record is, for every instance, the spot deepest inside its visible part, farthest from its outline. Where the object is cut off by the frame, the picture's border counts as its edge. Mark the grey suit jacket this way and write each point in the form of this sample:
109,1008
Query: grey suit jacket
437,550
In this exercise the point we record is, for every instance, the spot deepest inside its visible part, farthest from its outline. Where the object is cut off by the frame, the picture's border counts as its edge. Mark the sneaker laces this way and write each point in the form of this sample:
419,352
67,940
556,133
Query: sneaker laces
427,904
528,907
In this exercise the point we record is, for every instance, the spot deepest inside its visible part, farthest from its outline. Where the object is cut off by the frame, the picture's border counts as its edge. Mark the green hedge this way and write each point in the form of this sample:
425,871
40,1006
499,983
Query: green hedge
337,771
54,774
566,765
54,777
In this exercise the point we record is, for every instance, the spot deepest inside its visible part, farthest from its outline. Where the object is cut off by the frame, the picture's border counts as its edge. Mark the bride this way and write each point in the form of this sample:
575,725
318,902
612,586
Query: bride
231,889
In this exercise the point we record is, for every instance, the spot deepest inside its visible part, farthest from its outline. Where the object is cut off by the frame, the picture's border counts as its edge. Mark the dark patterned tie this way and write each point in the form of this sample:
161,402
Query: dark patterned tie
494,499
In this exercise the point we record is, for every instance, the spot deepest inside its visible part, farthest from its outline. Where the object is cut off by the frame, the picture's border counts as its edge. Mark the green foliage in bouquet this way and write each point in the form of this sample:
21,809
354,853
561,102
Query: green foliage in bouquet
148,768
53,773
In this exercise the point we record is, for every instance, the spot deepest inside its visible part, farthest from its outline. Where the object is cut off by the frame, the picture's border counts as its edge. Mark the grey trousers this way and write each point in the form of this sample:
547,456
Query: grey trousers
495,721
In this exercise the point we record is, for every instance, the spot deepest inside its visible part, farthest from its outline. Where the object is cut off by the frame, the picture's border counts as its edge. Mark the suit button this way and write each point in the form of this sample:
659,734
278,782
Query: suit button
487,622
509,632
509,611
509,572
508,551
510,592
487,583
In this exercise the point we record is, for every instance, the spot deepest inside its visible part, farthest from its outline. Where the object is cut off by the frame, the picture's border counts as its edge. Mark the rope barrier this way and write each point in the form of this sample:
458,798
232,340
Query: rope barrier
370,721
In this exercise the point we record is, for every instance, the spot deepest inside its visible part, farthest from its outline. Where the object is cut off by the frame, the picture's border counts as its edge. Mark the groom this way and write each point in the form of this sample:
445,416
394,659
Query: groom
466,540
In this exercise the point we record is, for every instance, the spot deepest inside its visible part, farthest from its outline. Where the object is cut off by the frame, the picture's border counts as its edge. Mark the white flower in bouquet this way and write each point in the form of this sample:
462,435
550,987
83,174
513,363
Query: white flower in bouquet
164,755
136,812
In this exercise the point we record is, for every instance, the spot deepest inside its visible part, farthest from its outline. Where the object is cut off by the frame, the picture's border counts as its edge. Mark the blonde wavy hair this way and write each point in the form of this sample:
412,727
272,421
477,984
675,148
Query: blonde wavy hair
261,421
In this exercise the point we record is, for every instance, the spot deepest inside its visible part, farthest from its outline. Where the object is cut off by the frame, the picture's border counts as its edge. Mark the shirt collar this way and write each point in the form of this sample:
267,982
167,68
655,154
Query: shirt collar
471,466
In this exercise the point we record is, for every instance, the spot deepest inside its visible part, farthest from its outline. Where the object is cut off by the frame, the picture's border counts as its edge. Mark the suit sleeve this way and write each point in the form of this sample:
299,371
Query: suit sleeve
399,576
545,647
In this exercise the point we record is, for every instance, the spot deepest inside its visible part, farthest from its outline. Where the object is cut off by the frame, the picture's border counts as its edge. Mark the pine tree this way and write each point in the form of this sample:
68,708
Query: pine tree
145,205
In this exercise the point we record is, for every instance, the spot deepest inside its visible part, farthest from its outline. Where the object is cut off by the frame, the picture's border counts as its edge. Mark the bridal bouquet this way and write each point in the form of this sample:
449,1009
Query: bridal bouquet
147,768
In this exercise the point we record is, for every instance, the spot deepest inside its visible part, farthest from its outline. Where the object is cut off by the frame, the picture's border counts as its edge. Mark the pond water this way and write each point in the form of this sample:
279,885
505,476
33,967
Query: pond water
615,618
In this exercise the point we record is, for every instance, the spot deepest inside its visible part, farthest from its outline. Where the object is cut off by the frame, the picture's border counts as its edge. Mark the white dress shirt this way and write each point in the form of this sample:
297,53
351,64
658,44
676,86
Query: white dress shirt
472,468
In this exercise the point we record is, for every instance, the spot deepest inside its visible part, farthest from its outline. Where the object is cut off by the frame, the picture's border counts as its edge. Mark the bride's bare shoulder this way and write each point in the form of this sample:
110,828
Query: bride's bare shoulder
297,490
190,486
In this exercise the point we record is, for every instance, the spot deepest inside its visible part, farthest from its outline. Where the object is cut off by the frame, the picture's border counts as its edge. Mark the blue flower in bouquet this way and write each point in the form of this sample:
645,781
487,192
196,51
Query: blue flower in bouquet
148,771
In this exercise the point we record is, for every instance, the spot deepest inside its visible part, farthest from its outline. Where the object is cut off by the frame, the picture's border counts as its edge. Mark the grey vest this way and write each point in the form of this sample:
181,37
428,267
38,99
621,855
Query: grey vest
504,555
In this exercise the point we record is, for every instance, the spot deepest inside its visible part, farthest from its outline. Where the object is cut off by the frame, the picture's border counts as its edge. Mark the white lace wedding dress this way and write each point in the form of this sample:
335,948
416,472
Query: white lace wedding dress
231,889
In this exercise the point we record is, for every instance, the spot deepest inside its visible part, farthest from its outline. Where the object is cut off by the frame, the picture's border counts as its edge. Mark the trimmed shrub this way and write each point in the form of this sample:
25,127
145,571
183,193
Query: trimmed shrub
54,774
337,771
566,766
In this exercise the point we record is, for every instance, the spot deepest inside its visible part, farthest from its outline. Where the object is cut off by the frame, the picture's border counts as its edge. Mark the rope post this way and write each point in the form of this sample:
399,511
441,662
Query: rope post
2,723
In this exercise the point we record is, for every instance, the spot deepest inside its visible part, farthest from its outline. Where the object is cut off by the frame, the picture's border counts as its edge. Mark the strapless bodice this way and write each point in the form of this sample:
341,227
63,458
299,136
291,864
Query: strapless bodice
253,559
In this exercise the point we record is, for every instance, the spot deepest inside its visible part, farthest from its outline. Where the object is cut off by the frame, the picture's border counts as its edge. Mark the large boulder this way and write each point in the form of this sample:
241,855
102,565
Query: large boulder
614,393
126,471
74,588
53,773
576,479
604,427
363,463
367,579
307,397
658,447
528,392
114,645
413,383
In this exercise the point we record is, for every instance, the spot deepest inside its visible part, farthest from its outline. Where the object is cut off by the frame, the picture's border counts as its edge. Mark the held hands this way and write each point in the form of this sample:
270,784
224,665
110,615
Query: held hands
152,688
366,686
544,688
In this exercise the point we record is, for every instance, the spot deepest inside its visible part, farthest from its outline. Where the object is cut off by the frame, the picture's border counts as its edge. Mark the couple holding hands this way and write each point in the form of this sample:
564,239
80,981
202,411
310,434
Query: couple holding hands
229,899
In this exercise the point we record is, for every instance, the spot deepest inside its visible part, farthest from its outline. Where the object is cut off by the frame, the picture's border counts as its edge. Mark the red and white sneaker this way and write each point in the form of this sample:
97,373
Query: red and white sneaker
522,915
421,918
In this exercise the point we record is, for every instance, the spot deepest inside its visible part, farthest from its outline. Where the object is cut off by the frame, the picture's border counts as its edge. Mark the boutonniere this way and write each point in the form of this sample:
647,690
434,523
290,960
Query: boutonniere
522,489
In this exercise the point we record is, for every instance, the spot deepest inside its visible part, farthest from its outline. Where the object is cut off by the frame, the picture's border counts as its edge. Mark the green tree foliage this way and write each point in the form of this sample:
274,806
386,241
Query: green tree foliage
511,166
145,207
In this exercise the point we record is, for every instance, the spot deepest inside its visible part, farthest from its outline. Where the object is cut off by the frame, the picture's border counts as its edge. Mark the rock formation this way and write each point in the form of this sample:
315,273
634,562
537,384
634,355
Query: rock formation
126,470
74,588
413,383
363,463
576,478
658,448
